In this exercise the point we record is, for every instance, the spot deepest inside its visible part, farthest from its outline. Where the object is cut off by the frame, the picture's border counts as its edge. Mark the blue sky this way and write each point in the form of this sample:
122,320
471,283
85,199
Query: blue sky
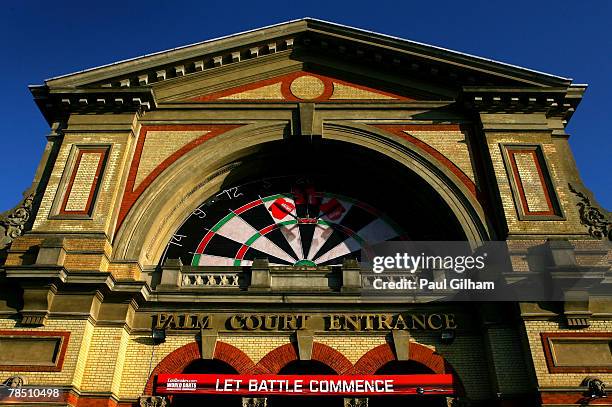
42,39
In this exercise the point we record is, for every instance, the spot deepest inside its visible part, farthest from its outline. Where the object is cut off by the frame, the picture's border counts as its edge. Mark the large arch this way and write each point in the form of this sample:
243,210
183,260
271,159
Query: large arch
189,181
278,358
179,359
376,358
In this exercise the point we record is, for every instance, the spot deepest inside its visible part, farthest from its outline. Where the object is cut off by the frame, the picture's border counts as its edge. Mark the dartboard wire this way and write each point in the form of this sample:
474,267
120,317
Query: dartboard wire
229,260
367,207
319,233
363,243
343,229
301,253
267,239
322,227
296,228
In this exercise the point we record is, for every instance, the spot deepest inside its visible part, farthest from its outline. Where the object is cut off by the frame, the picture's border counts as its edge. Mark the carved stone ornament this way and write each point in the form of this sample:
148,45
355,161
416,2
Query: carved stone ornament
356,402
596,387
254,402
15,381
597,222
152,401
12,223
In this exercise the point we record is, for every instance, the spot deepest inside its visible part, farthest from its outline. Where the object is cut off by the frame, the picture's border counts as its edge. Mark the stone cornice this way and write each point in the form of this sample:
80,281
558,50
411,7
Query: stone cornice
558,102
58,103
307,32
127,85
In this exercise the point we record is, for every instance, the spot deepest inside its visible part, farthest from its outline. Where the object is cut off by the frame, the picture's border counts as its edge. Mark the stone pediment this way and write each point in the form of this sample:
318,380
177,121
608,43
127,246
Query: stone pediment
271,63
301,86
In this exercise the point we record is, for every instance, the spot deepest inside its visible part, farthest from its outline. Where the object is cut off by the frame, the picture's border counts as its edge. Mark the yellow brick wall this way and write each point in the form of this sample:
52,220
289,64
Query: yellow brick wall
544,377
107,199
76,352
452,144
588,253
108,359
83,354
120,362
137,358
353,348
103,358
466,354
159,145
529,177
256,347
84,178
559,178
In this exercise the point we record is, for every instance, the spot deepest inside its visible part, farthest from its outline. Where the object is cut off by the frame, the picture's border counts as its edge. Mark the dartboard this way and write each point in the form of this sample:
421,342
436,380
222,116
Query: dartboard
287,221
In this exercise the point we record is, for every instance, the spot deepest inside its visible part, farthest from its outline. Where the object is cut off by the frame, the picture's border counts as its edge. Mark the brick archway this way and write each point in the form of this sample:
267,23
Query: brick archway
376,358
278,358
179,359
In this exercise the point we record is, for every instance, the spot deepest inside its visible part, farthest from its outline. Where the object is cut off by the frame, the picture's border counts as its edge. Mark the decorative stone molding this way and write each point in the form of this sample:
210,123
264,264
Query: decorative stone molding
578,321
597,222
211,280
356,402
152,401
94,100
33,319
13,222
558,102
15,381
190,66
254,402
596,387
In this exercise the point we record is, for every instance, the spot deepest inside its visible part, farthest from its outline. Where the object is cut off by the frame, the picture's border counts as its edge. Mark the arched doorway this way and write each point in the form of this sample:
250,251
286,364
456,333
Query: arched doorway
422,360
305,367
203,366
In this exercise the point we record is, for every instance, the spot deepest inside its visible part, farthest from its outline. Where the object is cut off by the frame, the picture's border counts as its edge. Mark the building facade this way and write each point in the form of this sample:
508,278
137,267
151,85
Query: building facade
217,195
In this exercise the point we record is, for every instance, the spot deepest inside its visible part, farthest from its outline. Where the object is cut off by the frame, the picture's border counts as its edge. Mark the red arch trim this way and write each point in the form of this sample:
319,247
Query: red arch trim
278,358
179,359
275,360
383,354
400,130
376,358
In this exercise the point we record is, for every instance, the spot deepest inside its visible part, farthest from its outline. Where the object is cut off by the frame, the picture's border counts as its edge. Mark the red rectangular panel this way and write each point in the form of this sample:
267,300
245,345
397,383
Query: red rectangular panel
305,385
530,186
92,183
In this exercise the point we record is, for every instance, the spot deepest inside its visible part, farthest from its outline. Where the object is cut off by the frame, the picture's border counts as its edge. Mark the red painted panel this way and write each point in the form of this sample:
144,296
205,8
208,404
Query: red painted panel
64,336
305,385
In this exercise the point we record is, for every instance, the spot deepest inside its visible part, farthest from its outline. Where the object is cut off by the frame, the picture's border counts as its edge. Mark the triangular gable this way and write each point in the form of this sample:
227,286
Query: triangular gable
407,69
301,86
341,40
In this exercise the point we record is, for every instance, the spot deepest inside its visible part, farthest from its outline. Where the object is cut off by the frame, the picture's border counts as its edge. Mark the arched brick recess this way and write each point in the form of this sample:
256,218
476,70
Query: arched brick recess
332,358
179,359
235,358
374,359
383,354
276,359
429,358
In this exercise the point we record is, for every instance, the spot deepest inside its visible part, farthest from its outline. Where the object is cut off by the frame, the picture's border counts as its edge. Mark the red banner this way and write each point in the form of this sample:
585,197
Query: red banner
316,385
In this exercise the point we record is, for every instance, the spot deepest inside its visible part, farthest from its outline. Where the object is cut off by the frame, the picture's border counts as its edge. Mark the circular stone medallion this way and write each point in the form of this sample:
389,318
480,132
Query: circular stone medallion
307,87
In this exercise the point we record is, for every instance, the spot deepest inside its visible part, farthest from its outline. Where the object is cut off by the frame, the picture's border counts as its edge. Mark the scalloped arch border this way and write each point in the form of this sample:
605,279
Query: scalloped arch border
272,363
